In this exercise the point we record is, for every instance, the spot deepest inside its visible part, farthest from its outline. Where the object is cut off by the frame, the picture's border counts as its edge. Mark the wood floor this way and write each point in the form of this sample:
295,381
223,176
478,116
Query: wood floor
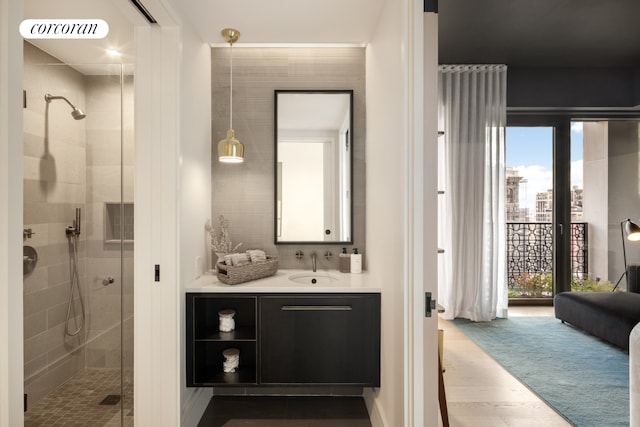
481,393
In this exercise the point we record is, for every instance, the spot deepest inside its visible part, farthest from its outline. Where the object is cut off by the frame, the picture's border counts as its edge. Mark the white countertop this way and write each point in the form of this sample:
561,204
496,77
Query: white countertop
280,283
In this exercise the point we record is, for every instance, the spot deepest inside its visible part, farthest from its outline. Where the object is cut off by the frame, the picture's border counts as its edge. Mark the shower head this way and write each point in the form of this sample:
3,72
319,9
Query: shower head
77,113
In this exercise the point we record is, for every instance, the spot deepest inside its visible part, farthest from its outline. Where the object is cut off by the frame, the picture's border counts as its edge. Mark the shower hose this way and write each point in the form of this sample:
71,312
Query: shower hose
75,285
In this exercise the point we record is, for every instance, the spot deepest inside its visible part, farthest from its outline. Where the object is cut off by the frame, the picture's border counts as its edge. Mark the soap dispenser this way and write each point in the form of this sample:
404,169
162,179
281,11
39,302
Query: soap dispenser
356,261
344,261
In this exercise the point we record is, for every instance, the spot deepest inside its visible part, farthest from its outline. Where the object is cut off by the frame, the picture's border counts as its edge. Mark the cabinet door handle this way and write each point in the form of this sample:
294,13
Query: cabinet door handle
316,308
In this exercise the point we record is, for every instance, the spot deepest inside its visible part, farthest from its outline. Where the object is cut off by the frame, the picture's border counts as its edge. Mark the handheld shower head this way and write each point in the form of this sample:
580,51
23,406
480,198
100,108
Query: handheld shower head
77,113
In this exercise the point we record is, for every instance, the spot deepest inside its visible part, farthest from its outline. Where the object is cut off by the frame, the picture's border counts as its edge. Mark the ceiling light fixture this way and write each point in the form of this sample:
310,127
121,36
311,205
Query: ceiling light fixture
230,150
113,52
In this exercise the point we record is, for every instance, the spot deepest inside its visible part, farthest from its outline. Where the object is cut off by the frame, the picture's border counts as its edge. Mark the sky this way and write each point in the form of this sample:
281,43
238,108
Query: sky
529,150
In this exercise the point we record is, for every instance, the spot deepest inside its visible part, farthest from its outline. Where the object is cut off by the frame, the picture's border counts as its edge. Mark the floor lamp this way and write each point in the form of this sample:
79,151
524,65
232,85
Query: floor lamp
632,230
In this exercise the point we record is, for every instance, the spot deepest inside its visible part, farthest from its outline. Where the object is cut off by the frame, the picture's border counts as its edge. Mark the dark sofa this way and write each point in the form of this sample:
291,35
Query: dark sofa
607,315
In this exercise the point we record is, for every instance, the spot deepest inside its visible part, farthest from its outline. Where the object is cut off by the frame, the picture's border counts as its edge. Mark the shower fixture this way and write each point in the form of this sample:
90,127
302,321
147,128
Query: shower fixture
76,112
74,230
73,233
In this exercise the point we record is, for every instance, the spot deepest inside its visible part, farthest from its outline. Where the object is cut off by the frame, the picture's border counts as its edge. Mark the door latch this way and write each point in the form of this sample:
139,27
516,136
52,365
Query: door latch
430,304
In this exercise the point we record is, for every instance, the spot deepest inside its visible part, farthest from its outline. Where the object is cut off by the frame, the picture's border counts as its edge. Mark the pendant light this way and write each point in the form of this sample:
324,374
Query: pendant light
230,150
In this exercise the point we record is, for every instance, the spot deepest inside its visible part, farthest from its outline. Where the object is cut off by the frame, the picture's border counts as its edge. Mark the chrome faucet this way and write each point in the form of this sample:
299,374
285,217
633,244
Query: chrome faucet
313,261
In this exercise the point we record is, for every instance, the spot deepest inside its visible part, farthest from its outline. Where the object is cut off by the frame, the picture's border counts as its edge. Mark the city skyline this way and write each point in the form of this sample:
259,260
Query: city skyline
529,152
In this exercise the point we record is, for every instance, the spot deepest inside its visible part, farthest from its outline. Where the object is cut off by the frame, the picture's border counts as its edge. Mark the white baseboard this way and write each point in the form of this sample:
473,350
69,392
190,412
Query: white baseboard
376,413
194,407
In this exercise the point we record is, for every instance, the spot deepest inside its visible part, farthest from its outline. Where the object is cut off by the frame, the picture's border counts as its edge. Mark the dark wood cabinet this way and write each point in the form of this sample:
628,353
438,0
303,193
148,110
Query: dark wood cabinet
320,339
285,339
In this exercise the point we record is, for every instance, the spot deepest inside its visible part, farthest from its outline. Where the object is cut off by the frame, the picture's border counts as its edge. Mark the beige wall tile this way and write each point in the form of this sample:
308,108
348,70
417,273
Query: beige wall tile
244,193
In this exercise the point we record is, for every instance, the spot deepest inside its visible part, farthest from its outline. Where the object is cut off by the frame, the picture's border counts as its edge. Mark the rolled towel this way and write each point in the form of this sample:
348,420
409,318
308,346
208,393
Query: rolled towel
256,255
240,259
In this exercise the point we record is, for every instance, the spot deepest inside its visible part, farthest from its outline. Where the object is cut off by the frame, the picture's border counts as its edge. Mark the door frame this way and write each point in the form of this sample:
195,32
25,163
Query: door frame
11,215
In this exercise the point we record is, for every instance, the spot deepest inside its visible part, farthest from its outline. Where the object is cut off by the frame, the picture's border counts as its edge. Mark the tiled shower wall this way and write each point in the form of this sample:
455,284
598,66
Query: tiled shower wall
244,193
70,164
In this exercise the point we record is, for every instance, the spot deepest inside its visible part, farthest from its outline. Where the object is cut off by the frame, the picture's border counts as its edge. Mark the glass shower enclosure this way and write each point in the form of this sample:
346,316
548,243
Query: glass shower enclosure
78,242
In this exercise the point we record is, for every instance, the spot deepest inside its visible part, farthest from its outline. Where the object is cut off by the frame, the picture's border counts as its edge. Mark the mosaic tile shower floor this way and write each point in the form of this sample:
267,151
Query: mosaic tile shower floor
76,403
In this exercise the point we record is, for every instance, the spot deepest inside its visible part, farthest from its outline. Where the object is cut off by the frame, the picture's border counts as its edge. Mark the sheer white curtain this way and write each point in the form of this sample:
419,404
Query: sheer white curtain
472,114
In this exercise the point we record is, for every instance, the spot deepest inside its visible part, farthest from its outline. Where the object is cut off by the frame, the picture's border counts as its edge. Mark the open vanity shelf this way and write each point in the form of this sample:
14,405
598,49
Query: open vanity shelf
285,339
205,342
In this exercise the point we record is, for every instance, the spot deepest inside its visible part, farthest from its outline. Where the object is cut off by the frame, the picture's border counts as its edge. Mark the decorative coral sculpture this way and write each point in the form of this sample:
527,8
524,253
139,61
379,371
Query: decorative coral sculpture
221,240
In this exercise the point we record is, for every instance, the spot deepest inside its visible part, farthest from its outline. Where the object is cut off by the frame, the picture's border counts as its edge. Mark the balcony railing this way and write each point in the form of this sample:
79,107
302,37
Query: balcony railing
530,256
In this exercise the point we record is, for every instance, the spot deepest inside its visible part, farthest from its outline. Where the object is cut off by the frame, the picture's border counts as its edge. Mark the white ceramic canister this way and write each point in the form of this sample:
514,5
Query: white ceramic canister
227,322
231,360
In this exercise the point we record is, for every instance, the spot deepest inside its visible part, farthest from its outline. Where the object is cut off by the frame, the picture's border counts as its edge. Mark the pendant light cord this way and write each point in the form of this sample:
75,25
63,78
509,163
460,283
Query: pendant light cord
231,87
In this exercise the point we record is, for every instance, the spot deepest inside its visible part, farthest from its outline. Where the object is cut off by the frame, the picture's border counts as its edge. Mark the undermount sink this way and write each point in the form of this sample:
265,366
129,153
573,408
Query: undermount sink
310,278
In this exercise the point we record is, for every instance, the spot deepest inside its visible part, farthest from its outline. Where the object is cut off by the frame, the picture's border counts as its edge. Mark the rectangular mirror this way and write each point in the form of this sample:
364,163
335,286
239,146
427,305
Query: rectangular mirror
313,170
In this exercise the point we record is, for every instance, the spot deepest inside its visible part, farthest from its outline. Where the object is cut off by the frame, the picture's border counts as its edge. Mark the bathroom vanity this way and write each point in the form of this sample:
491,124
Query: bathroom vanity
288,332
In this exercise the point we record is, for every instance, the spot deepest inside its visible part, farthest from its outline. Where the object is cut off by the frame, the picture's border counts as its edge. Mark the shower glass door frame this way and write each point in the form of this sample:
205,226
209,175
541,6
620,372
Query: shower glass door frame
87,164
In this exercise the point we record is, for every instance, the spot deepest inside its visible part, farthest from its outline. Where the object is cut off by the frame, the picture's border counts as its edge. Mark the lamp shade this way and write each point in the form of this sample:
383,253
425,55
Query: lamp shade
230,150
632,230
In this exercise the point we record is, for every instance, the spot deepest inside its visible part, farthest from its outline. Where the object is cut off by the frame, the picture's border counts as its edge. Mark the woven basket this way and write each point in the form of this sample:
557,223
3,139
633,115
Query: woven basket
232,274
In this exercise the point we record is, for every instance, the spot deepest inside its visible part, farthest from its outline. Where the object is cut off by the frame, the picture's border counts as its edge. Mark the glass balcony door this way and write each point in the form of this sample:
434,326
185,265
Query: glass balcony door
547,239
529,211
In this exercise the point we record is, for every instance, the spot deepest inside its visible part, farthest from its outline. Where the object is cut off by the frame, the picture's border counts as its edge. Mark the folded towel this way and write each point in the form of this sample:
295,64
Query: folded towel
239,259
257,255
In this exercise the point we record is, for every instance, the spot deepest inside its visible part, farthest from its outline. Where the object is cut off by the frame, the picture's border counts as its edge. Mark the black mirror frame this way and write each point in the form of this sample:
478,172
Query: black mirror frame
275,164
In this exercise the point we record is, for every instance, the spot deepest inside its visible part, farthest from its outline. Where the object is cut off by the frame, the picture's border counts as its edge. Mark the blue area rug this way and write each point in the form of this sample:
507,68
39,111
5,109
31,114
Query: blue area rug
582,378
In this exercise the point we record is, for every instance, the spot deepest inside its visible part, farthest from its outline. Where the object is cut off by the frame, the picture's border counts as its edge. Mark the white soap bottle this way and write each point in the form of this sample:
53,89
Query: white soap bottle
356,261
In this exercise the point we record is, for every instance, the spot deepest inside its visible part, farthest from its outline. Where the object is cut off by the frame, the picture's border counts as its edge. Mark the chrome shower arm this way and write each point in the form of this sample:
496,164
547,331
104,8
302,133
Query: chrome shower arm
77,113
48,97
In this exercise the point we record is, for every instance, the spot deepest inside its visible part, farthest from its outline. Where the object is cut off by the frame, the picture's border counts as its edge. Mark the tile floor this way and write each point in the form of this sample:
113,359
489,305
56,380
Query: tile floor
76,403
272,411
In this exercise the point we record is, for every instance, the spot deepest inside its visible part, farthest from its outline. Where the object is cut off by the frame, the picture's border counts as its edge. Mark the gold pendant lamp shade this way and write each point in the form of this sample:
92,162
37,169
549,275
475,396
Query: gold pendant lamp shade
230,150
